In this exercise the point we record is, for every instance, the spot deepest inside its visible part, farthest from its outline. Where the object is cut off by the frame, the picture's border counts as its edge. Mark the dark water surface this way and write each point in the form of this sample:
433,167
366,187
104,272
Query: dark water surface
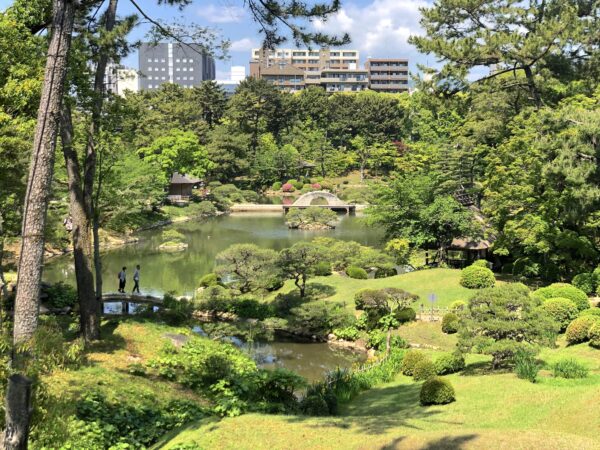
180,272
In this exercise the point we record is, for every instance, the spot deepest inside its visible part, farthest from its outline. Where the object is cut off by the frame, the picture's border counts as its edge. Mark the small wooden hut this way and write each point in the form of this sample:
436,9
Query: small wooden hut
180,186
464,251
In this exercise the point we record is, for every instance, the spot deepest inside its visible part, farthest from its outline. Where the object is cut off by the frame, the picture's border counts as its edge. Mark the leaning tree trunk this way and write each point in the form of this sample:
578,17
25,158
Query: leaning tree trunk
81,234
34,220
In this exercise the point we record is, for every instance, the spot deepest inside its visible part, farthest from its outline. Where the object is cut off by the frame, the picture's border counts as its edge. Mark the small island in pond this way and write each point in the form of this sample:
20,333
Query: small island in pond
172,241
313,218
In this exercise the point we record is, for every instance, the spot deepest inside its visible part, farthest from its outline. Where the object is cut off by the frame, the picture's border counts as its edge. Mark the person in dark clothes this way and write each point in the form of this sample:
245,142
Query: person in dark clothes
122,280
136,279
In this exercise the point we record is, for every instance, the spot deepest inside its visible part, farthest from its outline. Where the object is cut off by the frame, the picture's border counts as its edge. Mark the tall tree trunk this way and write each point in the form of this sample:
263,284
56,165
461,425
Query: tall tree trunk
34,220
89,176
81,234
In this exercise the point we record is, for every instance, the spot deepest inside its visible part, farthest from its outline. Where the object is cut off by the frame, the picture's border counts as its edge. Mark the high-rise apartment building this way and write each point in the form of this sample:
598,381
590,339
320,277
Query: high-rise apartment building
118,79
185,65
388,75
307,60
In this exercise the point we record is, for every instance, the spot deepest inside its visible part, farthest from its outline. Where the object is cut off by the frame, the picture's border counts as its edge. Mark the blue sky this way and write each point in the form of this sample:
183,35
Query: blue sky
378,28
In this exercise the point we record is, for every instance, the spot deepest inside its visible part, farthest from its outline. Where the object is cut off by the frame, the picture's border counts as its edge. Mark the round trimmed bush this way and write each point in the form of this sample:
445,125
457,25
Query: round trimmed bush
314,405
405,315
450,323
481,263
287,187
562,310
437,391
458,305
323,269
316,186
410,361
586,281
424,370
276,186
590,312
210,279
594,335
564,290
357,272
449,363
578,329
475,277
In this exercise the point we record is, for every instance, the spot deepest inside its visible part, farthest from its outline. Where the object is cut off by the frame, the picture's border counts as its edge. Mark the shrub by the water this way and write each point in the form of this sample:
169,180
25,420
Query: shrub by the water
172,236
210,279
314,405
61,295
437,391
450,323
594,335
287,187
562,310
276,186
347,333
404,315
569,368
578,329
476,277
424,370
410,361
357,273
564,290
526,366
449,363
377,340
323,269
206,208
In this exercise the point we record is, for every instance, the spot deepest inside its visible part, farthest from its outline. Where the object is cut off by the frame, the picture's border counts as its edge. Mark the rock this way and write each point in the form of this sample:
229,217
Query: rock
44,310
177,339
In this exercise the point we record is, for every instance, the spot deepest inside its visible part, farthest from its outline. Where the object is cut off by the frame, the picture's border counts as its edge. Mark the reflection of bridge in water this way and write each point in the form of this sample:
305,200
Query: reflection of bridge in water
333,202
123,304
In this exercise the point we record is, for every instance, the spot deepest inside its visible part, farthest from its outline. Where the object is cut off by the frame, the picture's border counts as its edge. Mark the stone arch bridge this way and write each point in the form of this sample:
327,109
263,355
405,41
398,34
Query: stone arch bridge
333,202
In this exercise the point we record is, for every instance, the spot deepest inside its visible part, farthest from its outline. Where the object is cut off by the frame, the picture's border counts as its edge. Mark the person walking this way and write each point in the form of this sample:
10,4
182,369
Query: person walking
122,280
136,279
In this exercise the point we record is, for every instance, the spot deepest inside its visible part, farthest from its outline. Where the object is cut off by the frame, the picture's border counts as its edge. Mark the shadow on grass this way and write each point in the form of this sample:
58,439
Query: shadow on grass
110,342
481,368
450,442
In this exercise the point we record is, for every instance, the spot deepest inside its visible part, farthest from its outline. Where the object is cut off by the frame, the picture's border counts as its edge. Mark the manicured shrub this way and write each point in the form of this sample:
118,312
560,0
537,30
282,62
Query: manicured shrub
288,187
314,405
586,281
424,370
405,315
322,269
569,368
250,308
250,196
481,263
526,366
385,272
458,305
347,333
475,277
594,335
590,312
450,323
206,208
357,273
578,329
210,279
316,186
564,290
276,186
437,391
449,363
410,361
562,310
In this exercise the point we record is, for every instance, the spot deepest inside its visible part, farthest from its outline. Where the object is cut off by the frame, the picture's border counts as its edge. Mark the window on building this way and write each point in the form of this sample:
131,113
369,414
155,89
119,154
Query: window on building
163,78
149,86
177,69
185,69
155,59
191,78
163,69
184,60
190,60
177,60
178,78
162,60
191,69
185,78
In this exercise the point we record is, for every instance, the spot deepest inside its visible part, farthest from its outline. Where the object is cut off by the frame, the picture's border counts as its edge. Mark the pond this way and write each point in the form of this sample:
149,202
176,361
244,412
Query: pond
180,272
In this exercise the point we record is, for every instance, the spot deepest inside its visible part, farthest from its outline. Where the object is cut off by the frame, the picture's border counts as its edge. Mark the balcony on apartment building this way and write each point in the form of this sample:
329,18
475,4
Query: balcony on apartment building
388,76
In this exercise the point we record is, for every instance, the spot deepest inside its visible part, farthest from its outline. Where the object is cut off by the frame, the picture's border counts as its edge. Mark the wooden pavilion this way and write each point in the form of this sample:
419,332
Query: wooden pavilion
180,187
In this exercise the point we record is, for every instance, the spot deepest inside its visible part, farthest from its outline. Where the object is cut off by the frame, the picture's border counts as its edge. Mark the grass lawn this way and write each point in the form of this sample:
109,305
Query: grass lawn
443,282
492,411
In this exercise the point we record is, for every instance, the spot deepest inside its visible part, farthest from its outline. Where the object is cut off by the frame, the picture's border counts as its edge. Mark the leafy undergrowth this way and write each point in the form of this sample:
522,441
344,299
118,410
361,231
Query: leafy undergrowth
492,410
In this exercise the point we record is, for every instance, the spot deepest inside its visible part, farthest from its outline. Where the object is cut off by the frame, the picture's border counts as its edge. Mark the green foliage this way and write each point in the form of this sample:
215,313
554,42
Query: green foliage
564,290
176,311
449,363
450,323
578,329
477,277
299,263
61,295
481,263
206,208
214,299
347,333
569,368
590,312
436,391
250,308
357,272
322,269
319,318
208,280
457,306
586,282
594,335
410,361
172,236
246,267
526,367
499,321
312,217
400,249
562,310
404,315
276,186
424,370
377,340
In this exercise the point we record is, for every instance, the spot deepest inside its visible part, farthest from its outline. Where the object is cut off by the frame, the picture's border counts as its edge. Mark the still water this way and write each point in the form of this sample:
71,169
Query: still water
180,272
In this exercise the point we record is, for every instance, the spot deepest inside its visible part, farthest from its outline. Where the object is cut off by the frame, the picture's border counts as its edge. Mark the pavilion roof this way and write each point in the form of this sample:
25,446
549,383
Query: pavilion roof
178,178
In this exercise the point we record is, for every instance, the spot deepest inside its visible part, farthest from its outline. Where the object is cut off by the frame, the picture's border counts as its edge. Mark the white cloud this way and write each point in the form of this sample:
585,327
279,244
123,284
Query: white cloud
243,45
380,29
222,14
